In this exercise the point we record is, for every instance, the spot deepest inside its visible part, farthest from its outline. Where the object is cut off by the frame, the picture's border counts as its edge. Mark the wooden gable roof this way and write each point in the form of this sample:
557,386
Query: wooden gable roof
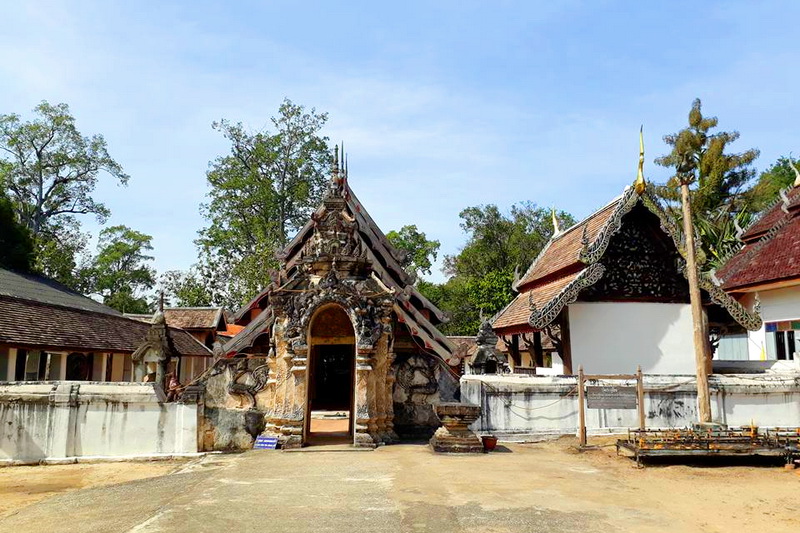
570,262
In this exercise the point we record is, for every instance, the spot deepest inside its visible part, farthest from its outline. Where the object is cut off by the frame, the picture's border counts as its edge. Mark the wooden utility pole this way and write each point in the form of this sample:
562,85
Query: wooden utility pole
581,408
700,340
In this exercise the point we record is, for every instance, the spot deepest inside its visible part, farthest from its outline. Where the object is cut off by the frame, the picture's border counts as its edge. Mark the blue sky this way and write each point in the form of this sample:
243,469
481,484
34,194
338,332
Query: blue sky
441,105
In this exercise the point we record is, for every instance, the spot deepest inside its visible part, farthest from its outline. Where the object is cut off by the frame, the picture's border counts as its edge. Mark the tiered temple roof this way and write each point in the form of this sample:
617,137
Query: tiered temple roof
412,309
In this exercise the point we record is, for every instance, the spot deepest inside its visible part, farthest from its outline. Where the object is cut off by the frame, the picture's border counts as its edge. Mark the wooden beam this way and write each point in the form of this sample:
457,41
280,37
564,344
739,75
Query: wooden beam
537,348
566,346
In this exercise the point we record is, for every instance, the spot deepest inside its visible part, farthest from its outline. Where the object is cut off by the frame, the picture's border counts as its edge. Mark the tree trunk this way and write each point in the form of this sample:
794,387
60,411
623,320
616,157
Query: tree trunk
700,342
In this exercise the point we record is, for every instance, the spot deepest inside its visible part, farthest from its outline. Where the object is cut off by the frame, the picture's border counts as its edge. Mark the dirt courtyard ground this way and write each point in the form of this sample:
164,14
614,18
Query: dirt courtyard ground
522,487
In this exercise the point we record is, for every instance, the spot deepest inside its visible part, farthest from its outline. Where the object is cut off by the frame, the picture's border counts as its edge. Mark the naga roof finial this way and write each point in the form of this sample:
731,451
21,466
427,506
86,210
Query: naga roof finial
639,185
556,227
796,172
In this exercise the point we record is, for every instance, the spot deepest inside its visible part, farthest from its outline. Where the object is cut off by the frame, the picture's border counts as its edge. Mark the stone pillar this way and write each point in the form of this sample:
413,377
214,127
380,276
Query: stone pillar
295,418
389,393
364,421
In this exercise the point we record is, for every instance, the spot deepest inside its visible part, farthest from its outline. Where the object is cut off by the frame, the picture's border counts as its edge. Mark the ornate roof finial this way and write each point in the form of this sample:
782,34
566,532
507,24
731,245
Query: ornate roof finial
335,167
739,229
556,228
639,185
161,302
796,172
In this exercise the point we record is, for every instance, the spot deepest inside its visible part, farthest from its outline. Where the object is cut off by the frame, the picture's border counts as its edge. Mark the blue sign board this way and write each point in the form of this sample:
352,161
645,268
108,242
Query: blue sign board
265,443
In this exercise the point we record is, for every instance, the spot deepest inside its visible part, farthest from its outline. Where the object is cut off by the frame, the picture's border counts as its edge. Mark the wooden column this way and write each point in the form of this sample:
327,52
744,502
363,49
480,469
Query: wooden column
12,364
566,348
640,395
538,351
581,408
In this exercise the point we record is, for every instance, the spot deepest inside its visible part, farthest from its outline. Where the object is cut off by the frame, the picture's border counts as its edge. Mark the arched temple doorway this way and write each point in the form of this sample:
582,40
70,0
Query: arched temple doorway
331,377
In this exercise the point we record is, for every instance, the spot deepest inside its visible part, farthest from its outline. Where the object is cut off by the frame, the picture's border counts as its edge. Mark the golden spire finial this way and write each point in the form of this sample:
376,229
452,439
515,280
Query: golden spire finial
639,184
556,228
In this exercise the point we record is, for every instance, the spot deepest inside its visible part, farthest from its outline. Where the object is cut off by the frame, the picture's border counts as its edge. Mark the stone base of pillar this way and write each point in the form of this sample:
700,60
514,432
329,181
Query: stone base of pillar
455,436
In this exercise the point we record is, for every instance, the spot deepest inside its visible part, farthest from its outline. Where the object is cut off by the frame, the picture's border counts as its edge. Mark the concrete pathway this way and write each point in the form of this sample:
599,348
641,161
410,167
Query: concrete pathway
396,488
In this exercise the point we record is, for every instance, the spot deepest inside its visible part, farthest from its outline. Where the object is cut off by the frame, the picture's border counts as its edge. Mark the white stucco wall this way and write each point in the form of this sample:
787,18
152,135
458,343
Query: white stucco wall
613,338
776,305
532,407
52,421
780,304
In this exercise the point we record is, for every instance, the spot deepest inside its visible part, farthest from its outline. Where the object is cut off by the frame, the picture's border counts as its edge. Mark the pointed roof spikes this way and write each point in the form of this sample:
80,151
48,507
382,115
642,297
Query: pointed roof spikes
640,184
335,165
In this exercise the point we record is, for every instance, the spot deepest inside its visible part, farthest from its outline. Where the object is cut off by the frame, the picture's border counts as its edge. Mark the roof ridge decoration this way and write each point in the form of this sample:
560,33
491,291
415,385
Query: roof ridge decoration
796,172
592,252
556,227
754,247
541,318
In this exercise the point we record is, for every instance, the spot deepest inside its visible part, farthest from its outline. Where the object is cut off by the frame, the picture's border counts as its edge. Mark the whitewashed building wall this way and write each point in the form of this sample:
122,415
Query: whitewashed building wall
613,338
60,421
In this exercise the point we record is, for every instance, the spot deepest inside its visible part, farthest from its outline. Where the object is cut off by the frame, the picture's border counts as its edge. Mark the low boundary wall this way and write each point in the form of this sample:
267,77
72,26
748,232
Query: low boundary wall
59,421
536,407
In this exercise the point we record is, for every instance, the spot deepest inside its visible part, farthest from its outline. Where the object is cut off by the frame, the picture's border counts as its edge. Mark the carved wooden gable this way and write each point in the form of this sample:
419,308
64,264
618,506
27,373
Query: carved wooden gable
641,263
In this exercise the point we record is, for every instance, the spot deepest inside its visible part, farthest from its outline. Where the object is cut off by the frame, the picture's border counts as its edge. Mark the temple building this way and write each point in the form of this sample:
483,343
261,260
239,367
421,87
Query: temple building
341,330
767,269
610,293
51,333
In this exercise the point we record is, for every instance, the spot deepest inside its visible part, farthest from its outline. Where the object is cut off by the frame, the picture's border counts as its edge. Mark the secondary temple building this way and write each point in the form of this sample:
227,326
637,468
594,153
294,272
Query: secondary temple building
610,293
767,269
341,329
50,333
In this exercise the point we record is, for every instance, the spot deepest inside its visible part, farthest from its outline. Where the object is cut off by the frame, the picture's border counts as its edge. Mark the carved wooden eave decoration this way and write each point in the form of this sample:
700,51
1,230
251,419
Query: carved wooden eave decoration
577,262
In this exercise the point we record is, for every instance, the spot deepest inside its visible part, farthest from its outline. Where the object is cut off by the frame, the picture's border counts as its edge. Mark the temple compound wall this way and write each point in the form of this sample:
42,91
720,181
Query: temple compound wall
67,420
537,407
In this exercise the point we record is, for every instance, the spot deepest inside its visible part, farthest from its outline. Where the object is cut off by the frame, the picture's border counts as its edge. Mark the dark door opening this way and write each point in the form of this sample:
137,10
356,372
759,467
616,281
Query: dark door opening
330,394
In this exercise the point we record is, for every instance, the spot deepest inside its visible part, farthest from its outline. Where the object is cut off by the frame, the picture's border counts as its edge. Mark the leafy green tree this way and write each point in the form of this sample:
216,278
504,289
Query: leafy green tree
766,190
499,246
718,180
16,245
500,243
185,289
120,272
420,252
720,234
50,175
261,193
